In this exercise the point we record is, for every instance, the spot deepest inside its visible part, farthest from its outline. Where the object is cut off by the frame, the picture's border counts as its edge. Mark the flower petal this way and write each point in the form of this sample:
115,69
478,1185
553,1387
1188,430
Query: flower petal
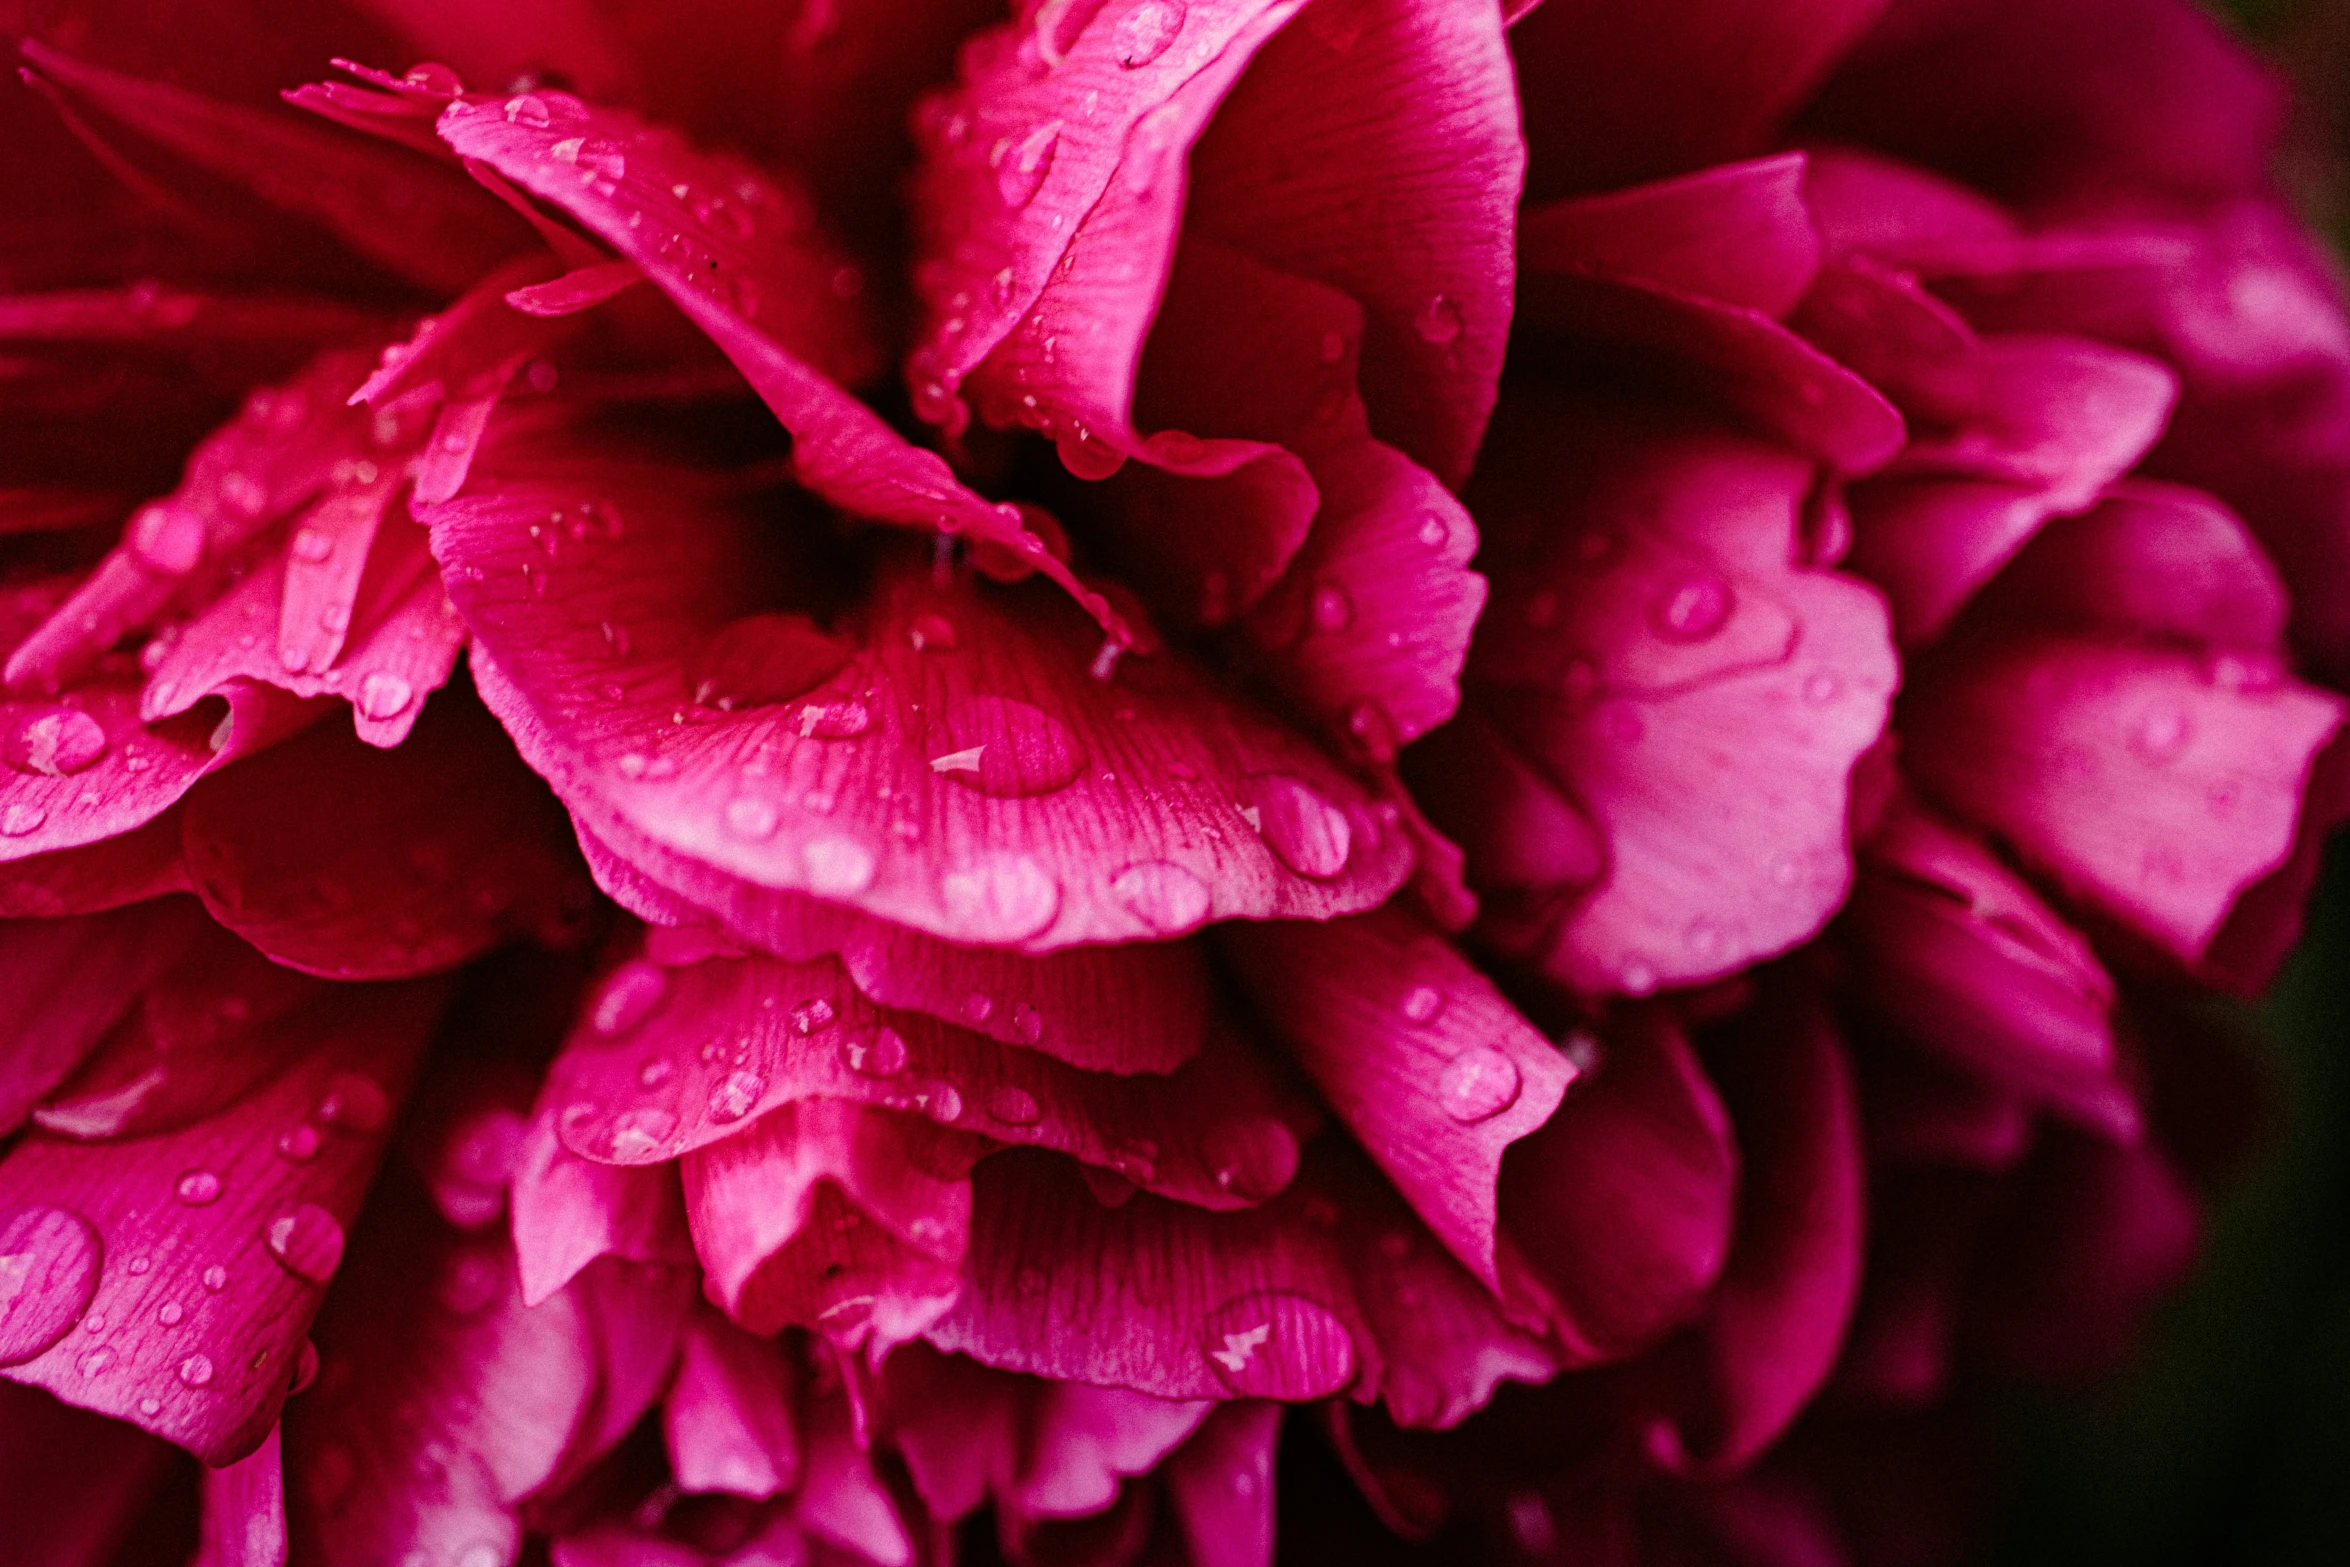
637,1086
70,981
2149,784
569,1211
953,768
245,1511
211,1226
727,1421
1739,232
344,860
1434,1073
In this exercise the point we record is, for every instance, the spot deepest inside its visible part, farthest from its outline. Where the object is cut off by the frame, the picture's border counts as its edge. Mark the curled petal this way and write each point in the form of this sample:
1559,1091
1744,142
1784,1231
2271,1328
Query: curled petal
1740,233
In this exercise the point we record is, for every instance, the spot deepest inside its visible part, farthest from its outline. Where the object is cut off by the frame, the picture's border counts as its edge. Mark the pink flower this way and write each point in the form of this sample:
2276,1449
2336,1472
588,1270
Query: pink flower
632,937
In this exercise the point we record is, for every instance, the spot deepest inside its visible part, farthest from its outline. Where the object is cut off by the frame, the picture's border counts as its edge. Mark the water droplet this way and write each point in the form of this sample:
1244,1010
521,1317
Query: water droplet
196,1371
978,1007
1822,688
932,634
735,1095
1477,1085
308,1241
1020,168
640,1135
655,1072
215,1278
54,742
1638,976
1277,1345
748,816
198,1187
2160,735
878,1054
834,720
1027,1024
299,1144
169,1313
1331,609
384,695
1006,748
21,819
1252,1159
1305,832
1013,1106
1423,1004
353,1103
470,1282
1435,532
1163,895
1145,31
150,1407
837,867
811,1017
49,1263
942,1102
1692,609
764,659
630,995
96,1361
1439,322
1004,896
168,537
529,109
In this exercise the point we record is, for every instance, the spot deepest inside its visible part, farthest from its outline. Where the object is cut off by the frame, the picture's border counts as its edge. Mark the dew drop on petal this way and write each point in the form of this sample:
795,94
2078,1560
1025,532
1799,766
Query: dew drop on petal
215,1278
1013,1106
168,537
1477,1085
812,1017
49,1264
1251,1159
2160,735
879,1054
308,1241
1145,31
384,695
640,1135
837,867
1331,609
1435,532
529,109
1278,1345
1822,688
20,819
54,742
630,995
1692,609
299,1143
748,816
763,659
1422,1004
1021,167
1163,895
736,1095
169,1313
1305,832
197,1187
1002,896
96,1362
354,1103
1006,748
196,1371
1439,321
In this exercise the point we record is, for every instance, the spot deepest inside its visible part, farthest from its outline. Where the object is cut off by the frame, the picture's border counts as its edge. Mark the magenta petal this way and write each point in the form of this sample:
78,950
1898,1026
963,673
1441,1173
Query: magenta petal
637,1086
1402,108
727,1419
1729,357
959,1426
1777,1316
1221,1482
408,216
112,873
1047,807
1622,1204
1957,954
1136,1007
1611,98
2149,784
833,1215
1695,692
70,981
431,1368
212,1232
1434,1073
245,1511
842,1498
569,1211
579,289
429,855
73,1485
1740,233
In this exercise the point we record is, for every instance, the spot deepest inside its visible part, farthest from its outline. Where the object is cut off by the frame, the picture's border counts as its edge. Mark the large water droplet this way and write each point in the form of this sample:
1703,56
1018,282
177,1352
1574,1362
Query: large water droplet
640,1135
1692,609
837,867
54,741
1145,31
629,996
762,659
21,819
197,1188
49,1261
1021,167
1439,321
529,109
354,1103
1163,895
1277,1345
1007,748
879,1054
1013,1106
1003,896
168,537
736,1095
196,1371
308,1241
812,1017
1252,1159
384,695
1305,832
1477,1085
